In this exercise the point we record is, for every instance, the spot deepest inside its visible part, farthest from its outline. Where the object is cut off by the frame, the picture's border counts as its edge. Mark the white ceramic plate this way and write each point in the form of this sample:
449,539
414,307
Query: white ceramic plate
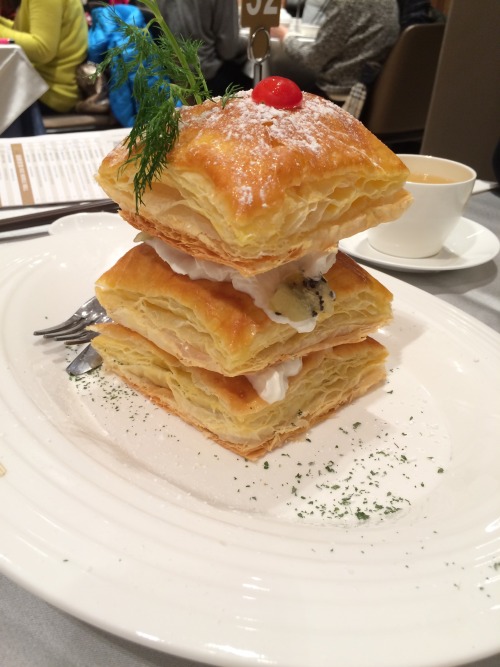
470,244
372,542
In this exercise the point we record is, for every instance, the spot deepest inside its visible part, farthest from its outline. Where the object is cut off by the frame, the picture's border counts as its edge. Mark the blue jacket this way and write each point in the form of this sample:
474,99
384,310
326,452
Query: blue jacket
103,35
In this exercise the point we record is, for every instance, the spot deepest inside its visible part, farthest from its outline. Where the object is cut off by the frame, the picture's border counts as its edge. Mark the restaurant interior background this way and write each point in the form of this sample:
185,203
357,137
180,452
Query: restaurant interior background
448,94
462,118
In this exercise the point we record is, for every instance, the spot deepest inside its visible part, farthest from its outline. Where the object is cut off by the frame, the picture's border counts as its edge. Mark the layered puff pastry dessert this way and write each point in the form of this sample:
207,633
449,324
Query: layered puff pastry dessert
235,310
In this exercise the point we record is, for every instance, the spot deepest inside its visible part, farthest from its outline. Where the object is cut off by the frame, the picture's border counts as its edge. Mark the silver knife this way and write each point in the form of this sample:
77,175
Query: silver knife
87,360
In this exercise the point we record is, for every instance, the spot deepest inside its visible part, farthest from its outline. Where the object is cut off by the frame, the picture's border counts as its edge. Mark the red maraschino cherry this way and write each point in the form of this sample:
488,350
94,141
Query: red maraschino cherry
277,92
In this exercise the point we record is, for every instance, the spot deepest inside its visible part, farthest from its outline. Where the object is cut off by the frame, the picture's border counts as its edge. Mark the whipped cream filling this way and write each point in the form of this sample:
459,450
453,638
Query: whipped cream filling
272,383
260,288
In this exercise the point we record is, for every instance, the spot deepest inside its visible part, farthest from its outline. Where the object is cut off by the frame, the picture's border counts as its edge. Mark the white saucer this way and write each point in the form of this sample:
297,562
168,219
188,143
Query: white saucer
470,244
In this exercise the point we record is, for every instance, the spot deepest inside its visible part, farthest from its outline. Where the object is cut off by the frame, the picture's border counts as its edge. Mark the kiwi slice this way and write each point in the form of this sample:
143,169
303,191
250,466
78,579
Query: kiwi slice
300,298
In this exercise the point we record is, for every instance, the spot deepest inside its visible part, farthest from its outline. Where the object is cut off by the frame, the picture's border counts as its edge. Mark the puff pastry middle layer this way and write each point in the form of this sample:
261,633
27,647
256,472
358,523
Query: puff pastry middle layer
214,326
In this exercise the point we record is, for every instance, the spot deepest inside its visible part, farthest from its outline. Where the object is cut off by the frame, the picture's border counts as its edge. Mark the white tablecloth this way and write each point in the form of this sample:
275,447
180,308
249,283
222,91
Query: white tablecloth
20,84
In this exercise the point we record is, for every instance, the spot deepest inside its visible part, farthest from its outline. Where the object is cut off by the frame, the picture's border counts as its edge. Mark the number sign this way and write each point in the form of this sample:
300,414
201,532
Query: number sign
260,14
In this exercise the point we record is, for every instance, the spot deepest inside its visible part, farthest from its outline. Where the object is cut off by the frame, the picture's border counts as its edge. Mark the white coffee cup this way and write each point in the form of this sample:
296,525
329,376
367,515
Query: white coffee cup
440,190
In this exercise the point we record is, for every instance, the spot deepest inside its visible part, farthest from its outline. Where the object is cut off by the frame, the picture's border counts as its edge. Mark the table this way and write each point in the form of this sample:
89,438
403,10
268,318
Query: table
20,83
35,634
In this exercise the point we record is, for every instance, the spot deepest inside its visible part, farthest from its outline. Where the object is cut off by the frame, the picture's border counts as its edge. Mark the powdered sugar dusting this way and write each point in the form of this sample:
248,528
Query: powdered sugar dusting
297,128
254,151
246,195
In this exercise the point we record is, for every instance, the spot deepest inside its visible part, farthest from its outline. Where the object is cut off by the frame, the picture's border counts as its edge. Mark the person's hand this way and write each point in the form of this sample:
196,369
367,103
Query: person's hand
279,32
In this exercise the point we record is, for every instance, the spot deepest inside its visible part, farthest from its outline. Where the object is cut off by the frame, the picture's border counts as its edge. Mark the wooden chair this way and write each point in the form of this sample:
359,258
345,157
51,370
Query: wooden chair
398,101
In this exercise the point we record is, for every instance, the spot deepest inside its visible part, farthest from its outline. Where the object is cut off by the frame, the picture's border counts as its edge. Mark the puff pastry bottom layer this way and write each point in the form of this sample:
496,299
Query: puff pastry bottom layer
227,409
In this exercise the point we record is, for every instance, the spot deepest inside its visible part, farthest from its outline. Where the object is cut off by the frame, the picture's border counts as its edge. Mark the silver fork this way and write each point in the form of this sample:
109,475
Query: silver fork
73,330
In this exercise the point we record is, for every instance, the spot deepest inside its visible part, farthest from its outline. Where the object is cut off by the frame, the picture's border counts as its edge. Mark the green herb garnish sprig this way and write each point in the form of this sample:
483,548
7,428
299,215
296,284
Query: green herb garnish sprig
166,71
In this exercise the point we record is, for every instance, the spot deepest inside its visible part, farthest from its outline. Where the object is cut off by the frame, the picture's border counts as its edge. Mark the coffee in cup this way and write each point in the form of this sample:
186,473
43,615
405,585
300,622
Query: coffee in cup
440,190
427,178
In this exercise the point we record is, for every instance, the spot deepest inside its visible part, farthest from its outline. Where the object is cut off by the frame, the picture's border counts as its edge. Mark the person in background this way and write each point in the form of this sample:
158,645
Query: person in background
215,23
105,34
351,34
53,34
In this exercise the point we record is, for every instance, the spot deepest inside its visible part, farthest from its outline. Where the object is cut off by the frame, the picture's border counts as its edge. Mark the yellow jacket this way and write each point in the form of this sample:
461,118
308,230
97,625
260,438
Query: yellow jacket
53,34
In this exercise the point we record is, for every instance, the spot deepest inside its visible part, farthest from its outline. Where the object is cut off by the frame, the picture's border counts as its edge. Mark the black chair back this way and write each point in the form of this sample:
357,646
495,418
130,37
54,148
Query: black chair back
398,101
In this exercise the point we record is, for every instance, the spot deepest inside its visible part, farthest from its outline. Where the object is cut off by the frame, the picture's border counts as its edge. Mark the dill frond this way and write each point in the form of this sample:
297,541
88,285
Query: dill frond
166,74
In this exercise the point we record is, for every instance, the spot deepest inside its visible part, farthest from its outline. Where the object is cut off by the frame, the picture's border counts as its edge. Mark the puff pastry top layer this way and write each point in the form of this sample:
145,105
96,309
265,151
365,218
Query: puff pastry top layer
253,187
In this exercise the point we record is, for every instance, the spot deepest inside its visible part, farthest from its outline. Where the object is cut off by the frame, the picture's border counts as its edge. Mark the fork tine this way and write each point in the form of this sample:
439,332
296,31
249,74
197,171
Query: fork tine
77,327
84,337
58,328
83,311
79,331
